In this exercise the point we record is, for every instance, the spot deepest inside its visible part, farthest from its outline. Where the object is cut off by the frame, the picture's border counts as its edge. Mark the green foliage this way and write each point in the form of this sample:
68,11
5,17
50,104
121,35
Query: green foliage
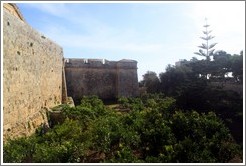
175,78
237,67
205,46
188,128
19,150
154,130
205,86
124,155
151,82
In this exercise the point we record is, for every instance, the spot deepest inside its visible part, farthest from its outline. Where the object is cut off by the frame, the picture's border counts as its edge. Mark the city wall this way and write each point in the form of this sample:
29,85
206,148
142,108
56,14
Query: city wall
106,79
36,77
32,76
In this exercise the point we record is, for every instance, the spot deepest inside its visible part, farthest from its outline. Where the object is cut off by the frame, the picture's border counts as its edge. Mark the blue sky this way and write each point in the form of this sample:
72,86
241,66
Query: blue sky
154,34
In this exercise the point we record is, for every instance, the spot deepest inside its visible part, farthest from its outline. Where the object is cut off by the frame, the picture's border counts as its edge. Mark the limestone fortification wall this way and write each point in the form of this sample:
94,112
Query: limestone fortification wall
32,76
106,79
36,77
127,78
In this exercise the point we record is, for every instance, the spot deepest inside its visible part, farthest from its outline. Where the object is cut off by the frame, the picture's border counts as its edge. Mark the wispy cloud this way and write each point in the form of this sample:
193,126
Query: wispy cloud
101,41
85,31
153,34
54,9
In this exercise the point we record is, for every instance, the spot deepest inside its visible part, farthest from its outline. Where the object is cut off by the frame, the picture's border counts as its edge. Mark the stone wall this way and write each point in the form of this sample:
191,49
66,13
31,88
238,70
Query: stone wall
14,10
32,77
36,77
127,78
106,79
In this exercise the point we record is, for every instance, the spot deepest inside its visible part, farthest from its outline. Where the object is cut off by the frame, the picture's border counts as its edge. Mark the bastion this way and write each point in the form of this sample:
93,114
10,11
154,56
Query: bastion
106,79
36,77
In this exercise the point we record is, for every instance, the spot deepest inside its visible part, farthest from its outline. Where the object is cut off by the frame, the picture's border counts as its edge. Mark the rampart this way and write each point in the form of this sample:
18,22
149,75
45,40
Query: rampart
106,79
36,77
32,76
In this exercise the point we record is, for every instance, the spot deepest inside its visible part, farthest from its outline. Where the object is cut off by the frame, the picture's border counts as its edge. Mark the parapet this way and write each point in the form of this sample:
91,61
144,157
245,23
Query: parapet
14,10
99,63
127,64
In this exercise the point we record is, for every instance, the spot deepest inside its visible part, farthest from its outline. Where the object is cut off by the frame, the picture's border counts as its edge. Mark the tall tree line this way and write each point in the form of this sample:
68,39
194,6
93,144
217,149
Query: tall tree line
204,86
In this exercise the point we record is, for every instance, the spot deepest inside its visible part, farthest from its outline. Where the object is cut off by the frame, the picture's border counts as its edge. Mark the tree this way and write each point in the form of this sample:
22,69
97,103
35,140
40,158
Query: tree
174,79
237,67
151,82
194,59
221,65
206,46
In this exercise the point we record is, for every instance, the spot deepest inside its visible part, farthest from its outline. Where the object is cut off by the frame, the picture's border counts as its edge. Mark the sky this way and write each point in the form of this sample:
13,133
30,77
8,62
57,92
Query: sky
154,34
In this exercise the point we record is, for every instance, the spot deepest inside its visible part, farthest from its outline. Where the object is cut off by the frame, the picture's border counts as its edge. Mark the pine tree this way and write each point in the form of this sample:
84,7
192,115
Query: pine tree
209,51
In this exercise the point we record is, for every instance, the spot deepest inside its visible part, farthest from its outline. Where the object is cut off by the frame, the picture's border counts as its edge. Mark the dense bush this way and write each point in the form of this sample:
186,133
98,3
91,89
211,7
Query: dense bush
204,86
154,130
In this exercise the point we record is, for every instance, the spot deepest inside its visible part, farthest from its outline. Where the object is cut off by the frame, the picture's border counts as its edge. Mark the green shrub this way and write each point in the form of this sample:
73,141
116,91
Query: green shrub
155,131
